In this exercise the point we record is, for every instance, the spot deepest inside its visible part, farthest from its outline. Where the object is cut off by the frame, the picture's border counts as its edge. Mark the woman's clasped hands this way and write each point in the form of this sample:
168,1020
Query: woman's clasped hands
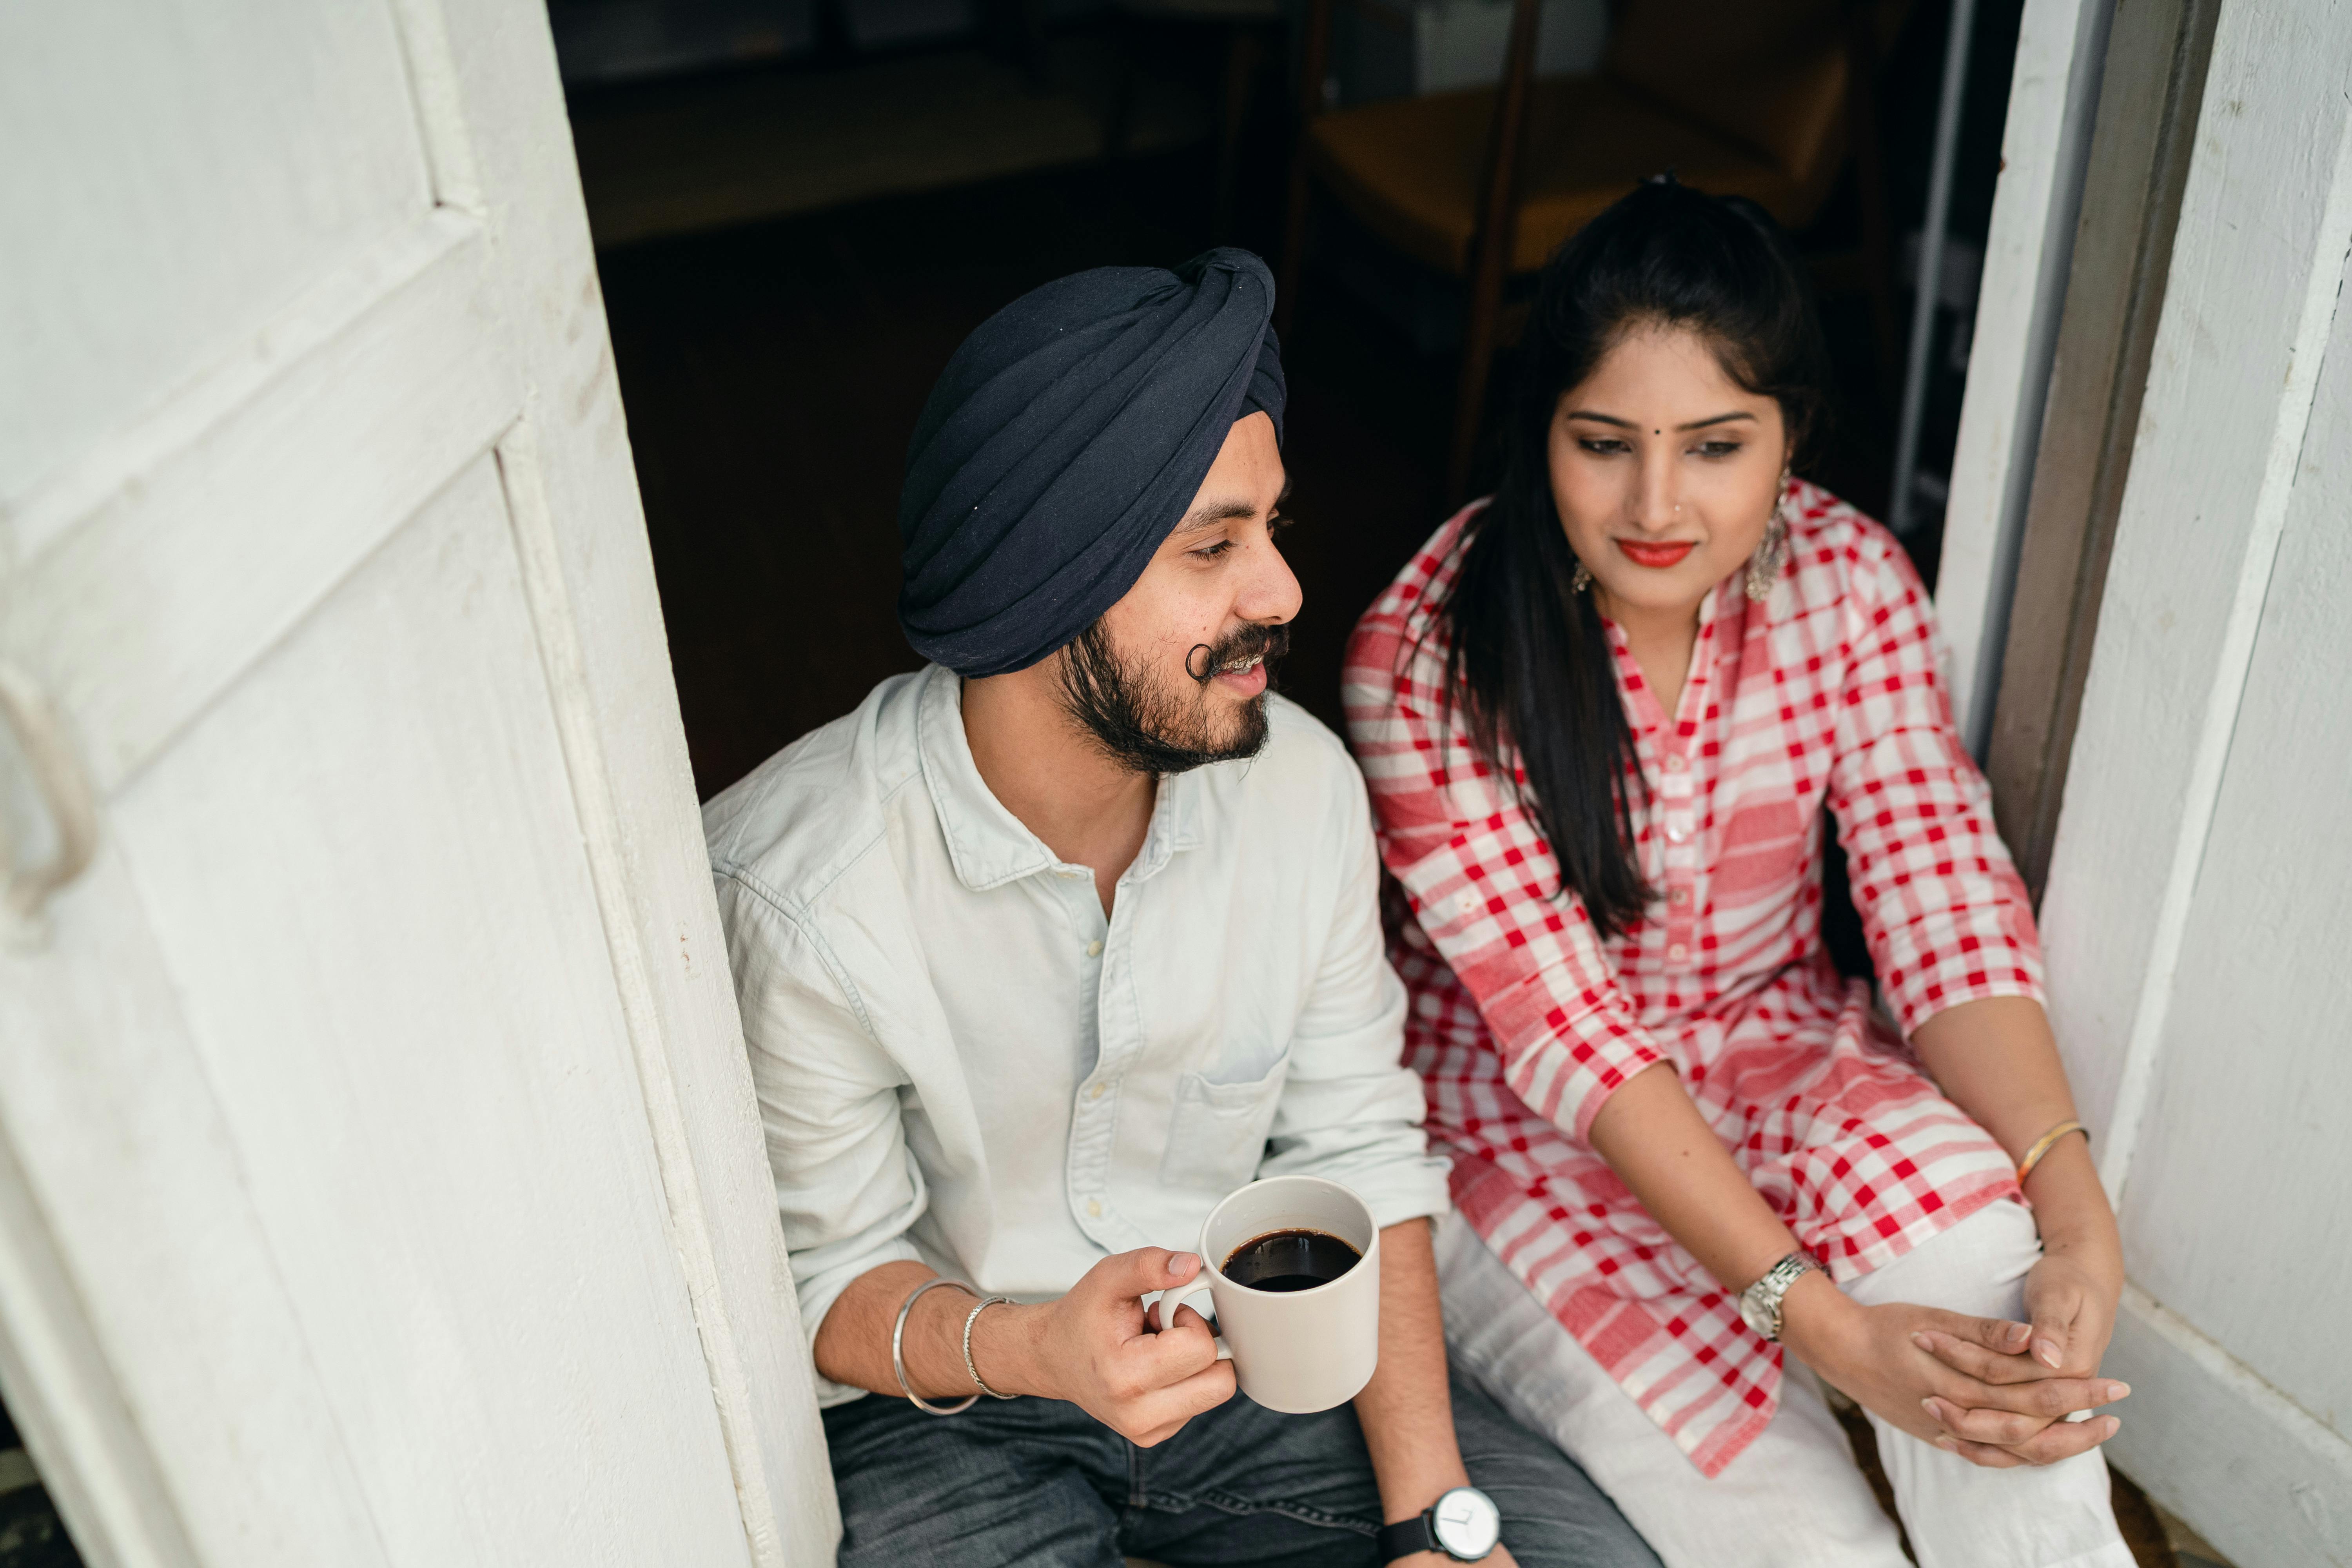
1998,1394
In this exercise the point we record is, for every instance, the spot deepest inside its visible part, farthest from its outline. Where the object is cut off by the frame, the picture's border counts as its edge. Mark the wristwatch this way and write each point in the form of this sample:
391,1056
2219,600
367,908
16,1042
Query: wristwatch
1759,1304
1464,1524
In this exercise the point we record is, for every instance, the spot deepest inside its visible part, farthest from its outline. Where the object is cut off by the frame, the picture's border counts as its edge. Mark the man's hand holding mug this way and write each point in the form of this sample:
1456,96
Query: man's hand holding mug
1295,1350
1095,1347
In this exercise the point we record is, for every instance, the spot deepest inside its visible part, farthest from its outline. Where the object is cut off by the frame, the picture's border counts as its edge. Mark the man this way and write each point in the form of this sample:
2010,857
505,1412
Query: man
1046,948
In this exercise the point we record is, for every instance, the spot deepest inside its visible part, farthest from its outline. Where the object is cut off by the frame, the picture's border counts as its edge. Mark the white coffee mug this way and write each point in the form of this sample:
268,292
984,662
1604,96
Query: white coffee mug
1293,1351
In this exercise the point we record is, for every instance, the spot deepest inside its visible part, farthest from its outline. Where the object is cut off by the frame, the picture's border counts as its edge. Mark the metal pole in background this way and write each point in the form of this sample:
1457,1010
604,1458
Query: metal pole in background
1929,283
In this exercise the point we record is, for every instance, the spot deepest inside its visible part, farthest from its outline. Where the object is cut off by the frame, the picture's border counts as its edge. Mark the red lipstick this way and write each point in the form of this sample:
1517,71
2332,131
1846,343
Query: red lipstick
1657,556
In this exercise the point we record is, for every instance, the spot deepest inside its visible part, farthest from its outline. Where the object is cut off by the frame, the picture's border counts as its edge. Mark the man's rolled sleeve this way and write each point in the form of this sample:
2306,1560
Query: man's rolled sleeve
847,1186
1350,1110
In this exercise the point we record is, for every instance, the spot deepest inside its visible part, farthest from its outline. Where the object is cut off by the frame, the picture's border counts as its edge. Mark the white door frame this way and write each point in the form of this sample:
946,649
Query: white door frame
2045,146
2253,294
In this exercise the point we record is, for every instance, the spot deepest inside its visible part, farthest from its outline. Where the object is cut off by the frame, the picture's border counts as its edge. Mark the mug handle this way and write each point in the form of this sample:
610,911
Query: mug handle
1181,1296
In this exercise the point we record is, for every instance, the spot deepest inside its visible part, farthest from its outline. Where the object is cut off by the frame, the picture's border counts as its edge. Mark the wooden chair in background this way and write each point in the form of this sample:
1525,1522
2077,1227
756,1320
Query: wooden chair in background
1763,98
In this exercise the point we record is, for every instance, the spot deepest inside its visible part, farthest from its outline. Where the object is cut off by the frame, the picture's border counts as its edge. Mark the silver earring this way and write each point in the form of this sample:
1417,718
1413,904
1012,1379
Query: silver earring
1764,566
1583,579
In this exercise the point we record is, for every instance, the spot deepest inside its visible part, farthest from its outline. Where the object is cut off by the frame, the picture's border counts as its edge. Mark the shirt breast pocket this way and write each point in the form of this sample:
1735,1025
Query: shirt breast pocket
1217,1136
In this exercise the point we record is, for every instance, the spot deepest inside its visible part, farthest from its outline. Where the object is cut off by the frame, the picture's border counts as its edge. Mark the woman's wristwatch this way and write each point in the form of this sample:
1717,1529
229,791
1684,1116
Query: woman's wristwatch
1759,1304
1464,1524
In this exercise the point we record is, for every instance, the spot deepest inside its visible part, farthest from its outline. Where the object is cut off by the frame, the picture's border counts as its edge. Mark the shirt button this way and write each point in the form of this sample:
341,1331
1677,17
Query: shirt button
1677,833
1096,1092
1678,896
1094,950
1675,764
1094,1208
1678,953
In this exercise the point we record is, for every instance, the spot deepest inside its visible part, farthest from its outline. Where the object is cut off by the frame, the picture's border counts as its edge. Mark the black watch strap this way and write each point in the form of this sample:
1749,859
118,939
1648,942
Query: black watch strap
1405,1537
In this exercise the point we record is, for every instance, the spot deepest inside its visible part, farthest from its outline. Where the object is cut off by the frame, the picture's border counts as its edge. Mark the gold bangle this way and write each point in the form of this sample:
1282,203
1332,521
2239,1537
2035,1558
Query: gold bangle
2043,1144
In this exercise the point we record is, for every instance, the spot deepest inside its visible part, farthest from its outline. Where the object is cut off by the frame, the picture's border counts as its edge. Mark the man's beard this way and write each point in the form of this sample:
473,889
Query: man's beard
1148,730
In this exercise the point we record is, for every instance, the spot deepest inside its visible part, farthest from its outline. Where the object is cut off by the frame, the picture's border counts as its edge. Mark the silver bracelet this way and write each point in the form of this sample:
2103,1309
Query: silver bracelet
969,1365
898,1350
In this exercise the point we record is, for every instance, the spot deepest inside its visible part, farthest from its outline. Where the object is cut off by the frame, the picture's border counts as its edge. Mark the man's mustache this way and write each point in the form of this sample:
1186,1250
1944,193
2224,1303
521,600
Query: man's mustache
1269,643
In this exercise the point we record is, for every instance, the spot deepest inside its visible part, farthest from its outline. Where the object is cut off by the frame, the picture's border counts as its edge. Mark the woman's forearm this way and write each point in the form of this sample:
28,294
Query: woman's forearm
1661,1149
1996,1059
2070,1203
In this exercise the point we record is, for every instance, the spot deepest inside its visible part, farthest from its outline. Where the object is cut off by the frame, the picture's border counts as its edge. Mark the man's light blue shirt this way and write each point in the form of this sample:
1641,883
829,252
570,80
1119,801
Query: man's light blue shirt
959,1060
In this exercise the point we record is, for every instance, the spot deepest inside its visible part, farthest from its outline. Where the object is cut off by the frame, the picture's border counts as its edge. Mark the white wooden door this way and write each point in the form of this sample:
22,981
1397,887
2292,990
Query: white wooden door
2199,900
380,1181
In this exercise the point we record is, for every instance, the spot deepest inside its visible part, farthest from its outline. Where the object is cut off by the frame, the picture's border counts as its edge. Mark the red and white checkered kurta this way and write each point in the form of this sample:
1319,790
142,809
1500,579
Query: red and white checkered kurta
1524,1021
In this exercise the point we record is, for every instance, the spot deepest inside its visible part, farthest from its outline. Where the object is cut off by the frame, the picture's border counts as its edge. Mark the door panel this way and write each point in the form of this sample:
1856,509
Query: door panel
194,165
460,1089
364,400
380,1177
136,1275
2254,1060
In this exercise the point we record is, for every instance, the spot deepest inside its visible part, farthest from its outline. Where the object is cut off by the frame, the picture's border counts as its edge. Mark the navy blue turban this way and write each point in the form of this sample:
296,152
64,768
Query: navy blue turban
1064,442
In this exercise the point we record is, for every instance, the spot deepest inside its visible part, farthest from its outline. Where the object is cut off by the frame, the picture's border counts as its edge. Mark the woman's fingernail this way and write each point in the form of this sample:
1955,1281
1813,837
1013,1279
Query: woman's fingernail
2114,1427
1947,1444
2116,1391
1934,1411
2046,1352
1921,1341
1182,1263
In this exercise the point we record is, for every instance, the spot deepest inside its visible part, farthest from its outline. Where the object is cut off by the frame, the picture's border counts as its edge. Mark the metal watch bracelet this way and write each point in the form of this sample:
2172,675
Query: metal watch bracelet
1759,1304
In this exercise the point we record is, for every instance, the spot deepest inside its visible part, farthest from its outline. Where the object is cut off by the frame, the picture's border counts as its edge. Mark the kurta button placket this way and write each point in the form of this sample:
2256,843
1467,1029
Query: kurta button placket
1675,794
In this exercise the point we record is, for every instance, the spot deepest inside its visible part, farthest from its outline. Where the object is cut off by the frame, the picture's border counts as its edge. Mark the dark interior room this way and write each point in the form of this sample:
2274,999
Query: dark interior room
793,244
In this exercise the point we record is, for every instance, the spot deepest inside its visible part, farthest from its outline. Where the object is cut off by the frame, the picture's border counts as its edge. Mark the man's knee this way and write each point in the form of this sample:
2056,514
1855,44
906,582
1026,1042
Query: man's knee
1977,1266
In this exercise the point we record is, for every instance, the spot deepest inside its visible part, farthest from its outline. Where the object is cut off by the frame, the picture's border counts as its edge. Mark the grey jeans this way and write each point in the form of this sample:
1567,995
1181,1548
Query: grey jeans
1037,1481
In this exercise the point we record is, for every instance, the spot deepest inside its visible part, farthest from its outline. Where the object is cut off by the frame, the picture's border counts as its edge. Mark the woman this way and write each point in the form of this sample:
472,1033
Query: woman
1602,715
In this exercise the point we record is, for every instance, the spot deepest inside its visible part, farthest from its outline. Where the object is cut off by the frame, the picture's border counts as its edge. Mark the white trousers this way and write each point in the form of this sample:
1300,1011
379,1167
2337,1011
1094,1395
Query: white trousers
1793,1497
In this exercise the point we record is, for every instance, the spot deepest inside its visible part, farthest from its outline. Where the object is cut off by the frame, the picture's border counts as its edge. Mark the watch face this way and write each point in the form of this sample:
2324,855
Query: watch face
1465,1523
1752,1314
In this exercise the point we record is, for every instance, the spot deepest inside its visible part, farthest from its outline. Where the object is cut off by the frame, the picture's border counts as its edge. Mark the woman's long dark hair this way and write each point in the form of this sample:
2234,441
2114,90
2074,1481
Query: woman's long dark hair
1529,667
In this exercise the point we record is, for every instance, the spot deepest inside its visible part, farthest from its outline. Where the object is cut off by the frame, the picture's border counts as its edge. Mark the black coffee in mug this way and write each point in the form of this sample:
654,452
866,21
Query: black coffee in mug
1290,1260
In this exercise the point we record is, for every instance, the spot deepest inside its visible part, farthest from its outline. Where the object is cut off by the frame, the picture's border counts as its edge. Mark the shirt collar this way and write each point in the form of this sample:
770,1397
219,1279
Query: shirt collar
989,846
